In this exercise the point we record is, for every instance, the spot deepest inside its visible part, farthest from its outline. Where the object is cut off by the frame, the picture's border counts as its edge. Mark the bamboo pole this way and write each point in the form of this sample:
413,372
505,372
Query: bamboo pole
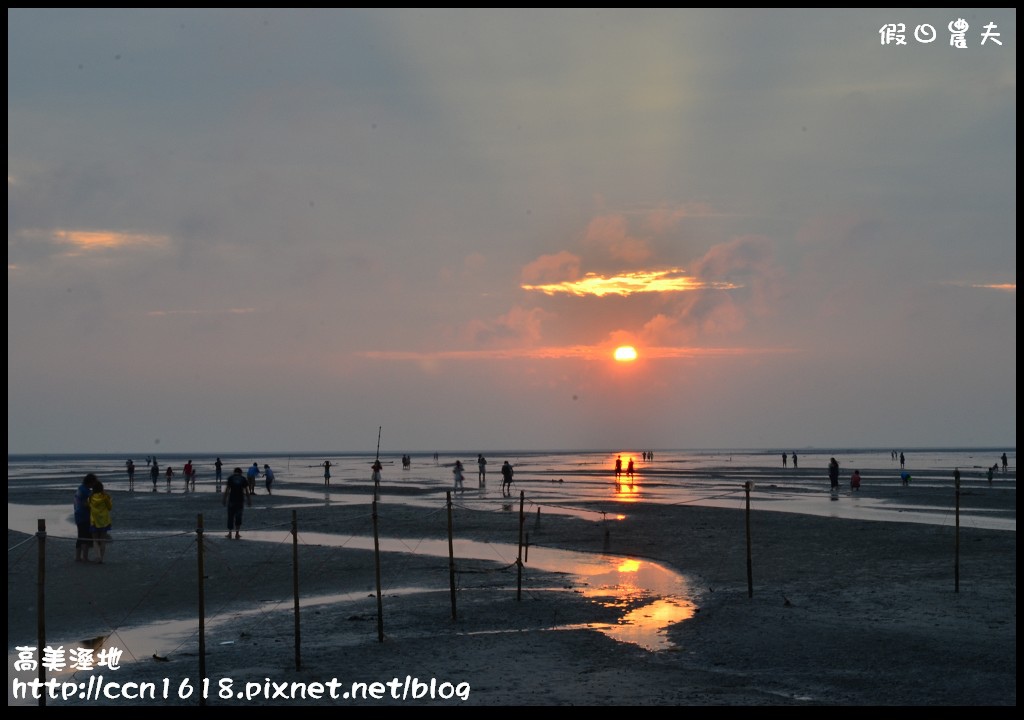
295,589
519,560
750,567
451,553
200,571
376,558
41,603
956,559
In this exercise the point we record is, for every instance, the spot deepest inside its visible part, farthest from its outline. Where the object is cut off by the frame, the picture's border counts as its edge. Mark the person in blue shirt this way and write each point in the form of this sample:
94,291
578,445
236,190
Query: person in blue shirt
251,475
82,517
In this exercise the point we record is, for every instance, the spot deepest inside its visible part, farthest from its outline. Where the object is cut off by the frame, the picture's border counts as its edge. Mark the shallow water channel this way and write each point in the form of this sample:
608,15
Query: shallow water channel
651,596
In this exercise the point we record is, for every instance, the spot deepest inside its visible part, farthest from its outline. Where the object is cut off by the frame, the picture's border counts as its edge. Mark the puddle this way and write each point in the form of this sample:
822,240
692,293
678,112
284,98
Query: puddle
655,593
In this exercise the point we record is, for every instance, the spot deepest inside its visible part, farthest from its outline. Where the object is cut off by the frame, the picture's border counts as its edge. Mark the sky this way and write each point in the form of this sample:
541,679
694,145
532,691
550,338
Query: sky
309,230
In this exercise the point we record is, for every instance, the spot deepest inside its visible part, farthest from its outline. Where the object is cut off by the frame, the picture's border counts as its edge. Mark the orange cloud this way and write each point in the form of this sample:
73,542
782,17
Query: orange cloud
83,241
625,284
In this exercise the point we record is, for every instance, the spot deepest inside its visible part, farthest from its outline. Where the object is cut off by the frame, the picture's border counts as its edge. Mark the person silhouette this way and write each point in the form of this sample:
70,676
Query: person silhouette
618,467
481,463
506,478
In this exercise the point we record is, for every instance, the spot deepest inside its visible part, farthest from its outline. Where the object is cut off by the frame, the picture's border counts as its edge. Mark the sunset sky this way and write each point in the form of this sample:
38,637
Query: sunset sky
280,230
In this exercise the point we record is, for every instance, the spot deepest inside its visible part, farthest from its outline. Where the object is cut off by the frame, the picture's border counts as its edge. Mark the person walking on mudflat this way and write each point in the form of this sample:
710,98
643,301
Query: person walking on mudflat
481,463
83,517
100,505
833,474
506,478
236,497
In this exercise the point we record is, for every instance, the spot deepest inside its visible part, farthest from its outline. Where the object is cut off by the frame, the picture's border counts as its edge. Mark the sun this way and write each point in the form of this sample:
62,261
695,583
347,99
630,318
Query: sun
625,353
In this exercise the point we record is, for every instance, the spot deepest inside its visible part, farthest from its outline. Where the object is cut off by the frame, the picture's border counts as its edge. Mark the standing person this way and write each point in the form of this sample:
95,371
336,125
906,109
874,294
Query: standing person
457,472
618,467
375,475
506,477
192,479
481,464
219,470
170,476
903,459
154,472
327,471
83,519
131,473
251,475
187,472
956,478
784,458
100,505
794,461
1003,458
268,477
855,480
991,473
236,497
629,470
833,473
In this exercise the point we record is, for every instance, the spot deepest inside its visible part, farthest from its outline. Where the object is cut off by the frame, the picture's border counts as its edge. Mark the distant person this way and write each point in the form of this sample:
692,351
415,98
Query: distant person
100,505
83,517
1003,458
956,478
784,458
794,461
506,478
629,469
457,471
903,460
905,478
618,467
169,475
192,479
833,473
327,471
187,473
251,475
481,475
855,480
991,473
375,475
219,472
130,465
236,497
154,472
268,477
